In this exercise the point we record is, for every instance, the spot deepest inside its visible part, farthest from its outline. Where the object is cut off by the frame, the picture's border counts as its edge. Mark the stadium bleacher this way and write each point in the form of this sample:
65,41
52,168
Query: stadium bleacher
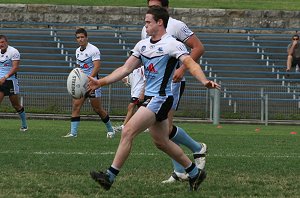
244,63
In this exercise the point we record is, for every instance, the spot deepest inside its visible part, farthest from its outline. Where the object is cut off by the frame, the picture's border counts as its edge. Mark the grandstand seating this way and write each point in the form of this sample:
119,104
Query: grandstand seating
242,61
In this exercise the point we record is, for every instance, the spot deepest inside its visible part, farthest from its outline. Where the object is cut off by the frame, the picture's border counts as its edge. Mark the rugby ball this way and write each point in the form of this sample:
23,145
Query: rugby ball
77,83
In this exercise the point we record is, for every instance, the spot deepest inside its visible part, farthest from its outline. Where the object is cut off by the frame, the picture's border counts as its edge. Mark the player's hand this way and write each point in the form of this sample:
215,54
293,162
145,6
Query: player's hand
178,75
93,84
211,84
2,80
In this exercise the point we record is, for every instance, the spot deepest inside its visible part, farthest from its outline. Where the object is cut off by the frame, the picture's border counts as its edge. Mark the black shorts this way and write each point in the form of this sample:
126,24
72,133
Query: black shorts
136,101
9,88
160,105
296,61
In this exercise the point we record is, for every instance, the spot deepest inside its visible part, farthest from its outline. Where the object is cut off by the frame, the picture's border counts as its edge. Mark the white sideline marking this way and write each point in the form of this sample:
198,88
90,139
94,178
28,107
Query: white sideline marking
292,155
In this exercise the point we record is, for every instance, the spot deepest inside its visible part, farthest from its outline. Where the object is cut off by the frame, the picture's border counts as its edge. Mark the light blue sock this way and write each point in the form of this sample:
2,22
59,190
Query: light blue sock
112,176
177,167
22,115
112,173
75,121
192,170
182,138
109,126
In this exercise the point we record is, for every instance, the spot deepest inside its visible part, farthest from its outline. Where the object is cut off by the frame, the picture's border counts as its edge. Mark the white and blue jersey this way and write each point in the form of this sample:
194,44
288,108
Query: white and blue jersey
180,31
85,60
6,60
86,57
159,59
176,28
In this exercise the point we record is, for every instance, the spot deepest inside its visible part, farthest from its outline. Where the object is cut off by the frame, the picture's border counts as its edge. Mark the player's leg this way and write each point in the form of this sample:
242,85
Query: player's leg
159,133
14,99
1,96
130,109
12,90
75,116
178,135
141,120
95,99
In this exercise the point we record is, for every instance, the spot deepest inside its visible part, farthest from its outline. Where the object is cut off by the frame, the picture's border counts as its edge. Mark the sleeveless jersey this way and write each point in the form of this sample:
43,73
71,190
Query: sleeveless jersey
6,60
86,57
159,60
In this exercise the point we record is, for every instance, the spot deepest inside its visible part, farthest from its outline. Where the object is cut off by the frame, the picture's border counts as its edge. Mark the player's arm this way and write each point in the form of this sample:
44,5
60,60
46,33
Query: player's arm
131,63
291,49
195,69
197,50
96,68
13,70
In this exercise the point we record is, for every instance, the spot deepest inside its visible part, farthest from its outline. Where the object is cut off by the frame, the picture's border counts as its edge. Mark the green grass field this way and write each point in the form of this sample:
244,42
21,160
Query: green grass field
242,162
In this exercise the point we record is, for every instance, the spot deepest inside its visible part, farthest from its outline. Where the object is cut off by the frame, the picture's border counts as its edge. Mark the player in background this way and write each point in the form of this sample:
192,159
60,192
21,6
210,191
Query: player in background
159,54
9,85
136,81
182,33
88,59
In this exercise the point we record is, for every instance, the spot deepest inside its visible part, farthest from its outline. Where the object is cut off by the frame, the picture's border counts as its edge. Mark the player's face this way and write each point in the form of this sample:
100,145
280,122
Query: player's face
154,3
81,39
151,25
3,44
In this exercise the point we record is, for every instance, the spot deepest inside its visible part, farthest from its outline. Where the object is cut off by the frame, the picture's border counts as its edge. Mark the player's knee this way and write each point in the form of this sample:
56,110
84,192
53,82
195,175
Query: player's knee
161,145
127,133
17,107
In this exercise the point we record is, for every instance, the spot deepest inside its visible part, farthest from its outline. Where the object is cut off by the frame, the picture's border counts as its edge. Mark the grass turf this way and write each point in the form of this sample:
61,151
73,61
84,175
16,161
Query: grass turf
243,161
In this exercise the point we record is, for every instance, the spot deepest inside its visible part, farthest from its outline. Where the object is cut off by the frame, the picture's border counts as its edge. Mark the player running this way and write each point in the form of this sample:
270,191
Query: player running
182,33
160,54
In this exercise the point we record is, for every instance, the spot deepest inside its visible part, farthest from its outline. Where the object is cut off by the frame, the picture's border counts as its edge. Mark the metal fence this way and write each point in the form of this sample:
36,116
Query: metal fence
247,66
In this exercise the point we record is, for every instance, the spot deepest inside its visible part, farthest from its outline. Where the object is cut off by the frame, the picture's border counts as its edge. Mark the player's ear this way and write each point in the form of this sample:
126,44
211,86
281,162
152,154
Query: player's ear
160,22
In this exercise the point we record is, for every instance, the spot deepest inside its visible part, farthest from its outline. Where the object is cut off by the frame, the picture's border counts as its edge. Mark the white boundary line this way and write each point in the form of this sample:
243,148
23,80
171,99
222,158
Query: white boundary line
291,155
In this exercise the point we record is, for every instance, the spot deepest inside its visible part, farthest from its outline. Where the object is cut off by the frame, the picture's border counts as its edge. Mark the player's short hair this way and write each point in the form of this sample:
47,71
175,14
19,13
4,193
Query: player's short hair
164,3
3,37
81,31
159,13
295,36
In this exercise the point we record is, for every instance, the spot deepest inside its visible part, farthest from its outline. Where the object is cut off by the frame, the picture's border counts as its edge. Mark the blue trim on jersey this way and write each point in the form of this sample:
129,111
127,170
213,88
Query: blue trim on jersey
157,76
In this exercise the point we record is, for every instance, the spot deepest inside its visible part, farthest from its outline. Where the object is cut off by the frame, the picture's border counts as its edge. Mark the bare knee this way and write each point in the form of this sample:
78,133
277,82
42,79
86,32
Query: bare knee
161,145
127,134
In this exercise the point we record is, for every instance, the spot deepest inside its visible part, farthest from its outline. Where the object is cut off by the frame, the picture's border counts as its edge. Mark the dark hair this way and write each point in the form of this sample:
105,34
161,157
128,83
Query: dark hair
295,35
81,31
3,37
164,3
159,13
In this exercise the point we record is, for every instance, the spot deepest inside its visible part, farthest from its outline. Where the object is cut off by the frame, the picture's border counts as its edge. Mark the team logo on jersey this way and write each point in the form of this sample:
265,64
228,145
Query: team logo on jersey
143,48
15,56
186,30
160,50
151,68
181,47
